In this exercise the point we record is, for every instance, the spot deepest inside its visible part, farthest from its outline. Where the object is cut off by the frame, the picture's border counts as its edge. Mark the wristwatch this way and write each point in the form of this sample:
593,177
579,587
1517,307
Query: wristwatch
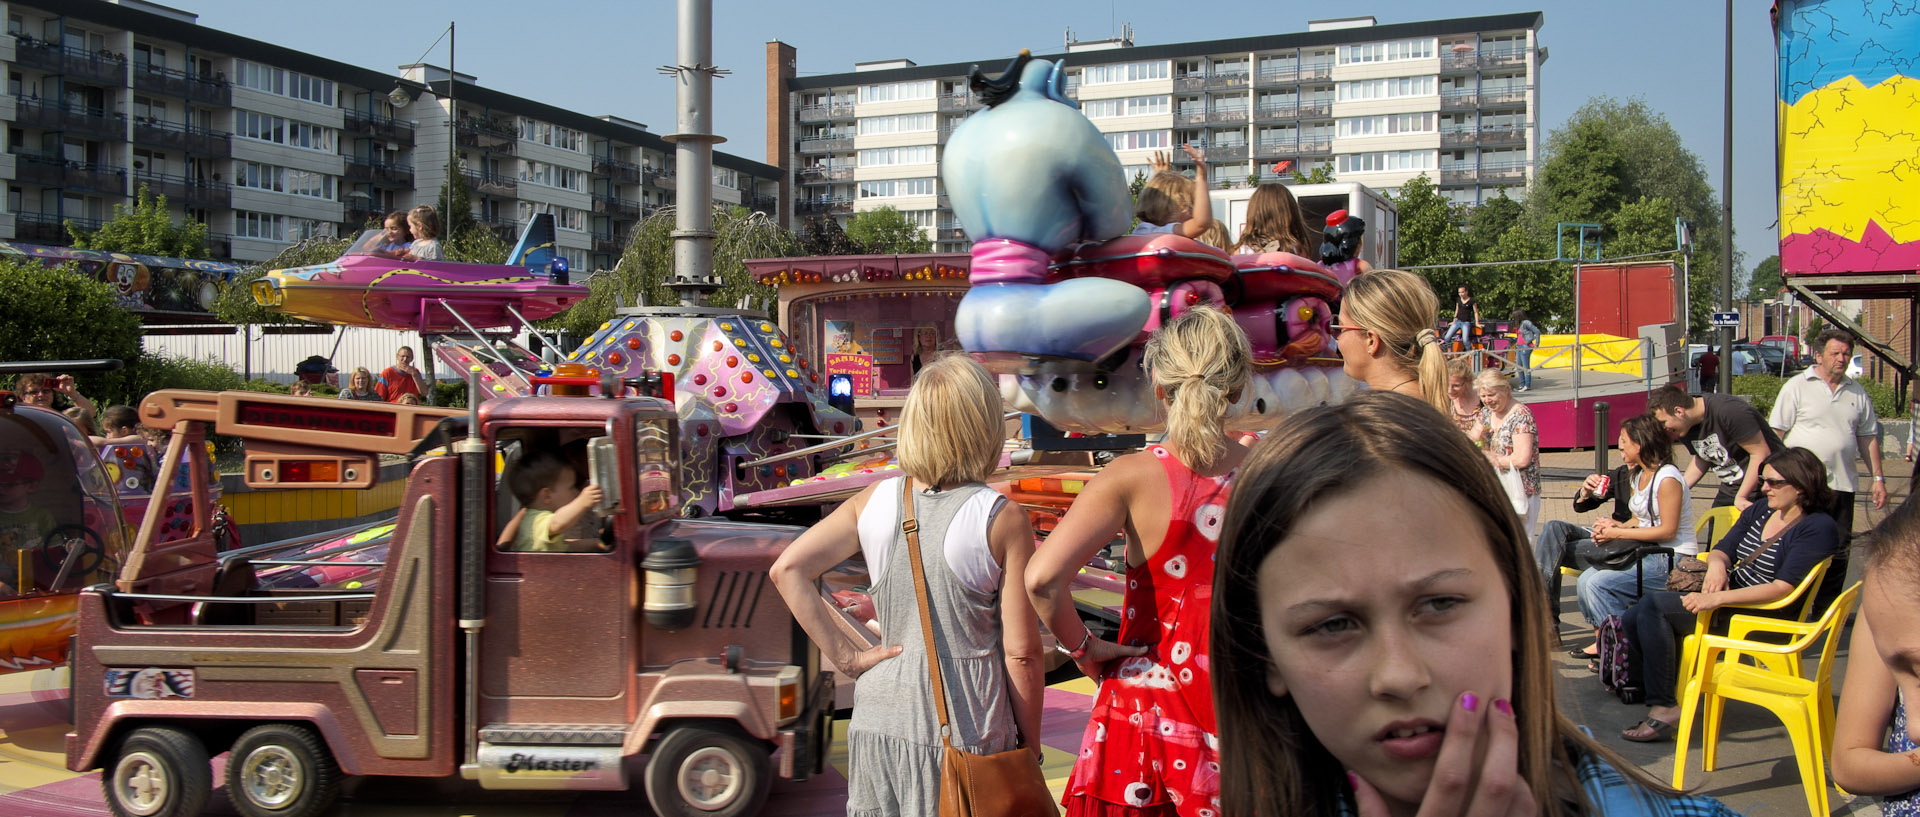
1879,478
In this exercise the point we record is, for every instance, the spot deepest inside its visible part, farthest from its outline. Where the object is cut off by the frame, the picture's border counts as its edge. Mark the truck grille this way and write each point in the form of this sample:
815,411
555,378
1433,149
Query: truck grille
734,598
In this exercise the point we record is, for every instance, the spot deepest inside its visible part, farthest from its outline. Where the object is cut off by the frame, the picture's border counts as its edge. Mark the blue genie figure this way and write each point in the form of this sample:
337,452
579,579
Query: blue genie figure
1030,177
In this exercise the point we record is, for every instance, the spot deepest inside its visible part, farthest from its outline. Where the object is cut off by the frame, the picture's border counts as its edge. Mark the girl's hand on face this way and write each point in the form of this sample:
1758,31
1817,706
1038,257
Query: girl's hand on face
1457,788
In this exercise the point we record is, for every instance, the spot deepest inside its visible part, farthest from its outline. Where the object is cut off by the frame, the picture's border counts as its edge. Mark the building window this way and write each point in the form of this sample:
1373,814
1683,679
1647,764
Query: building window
1386,52
896,91
268,226
903,123
1391,88
543,133
565,178
1127,72
282,82
294,133
1140,139
896,188
301,229
1127,106
259,176
1388,125
880,157
725,177
1386,161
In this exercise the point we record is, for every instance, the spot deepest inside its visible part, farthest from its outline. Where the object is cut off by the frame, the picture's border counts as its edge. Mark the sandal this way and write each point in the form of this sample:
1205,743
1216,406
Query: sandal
1581,652
1593,665
1657,731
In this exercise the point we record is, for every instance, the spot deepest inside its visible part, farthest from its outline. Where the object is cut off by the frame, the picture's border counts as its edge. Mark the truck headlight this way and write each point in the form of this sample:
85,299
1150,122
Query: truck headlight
789,693
672,567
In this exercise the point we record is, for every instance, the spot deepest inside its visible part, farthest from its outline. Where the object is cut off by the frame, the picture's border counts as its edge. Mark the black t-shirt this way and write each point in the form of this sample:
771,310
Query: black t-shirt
1463,311
1716,441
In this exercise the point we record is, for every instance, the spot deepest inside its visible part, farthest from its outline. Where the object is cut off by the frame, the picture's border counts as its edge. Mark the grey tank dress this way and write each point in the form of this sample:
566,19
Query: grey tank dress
893,741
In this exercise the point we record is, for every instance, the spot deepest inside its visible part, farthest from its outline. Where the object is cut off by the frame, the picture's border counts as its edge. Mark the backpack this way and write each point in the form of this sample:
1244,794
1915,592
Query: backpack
1615,673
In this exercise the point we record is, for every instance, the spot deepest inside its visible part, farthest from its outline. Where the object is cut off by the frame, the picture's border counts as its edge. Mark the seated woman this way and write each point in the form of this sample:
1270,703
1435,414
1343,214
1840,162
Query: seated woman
1874,751
1660,516
1766,552
391,243
1400,641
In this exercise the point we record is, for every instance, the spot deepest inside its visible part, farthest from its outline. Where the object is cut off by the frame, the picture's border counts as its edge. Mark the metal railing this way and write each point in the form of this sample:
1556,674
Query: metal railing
1503,96
56,172
951,234
190,191
1315,107
492,184
1230,79
1276,76
1272,111
154,79
816,175
47,228
826,144
54,115
486,134
825,205
822,113
1227,116
382,127
617,169
626,208
1227,152
381,173
1190,118
99,66
953,102
185,138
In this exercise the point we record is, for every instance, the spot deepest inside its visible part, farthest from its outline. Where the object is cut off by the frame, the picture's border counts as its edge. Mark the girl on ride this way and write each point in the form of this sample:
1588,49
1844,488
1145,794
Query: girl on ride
424,222
974,546
1874,750
1149,747
1379,645
1765,554
1274,223
1386,338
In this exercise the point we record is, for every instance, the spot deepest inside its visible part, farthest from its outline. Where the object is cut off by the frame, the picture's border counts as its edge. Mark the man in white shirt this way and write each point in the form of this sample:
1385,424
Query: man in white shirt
1828,413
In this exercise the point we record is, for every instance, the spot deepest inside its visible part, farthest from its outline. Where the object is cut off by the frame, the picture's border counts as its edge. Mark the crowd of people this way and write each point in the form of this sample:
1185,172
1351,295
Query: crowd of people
1290,644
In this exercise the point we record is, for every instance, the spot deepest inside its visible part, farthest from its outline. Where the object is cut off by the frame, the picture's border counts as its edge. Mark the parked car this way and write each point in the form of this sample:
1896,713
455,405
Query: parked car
1773,359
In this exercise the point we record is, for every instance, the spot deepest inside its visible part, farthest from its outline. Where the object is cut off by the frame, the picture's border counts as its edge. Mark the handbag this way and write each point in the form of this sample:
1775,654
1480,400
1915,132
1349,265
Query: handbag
1690,573
1618,554
1516,487
971,785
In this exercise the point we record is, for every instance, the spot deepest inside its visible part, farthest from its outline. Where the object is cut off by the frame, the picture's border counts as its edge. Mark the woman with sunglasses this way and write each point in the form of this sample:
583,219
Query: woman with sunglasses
1765,554
1386,338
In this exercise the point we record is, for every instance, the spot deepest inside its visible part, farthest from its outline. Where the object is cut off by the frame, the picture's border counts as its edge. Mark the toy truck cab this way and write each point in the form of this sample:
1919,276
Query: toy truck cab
464,655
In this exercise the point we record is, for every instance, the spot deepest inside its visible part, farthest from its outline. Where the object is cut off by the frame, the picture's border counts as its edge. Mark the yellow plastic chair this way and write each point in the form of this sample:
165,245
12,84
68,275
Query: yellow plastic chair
1803,705
1710,527
1802,595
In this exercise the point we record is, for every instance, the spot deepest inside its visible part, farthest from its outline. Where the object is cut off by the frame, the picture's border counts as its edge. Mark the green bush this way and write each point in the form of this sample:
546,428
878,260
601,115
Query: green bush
1886,401
152,373
1761,388
63,314
325,390
267,386
450,394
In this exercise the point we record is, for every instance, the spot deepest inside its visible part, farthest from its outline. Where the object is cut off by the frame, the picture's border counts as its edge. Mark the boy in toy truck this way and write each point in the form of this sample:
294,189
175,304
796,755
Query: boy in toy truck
555,503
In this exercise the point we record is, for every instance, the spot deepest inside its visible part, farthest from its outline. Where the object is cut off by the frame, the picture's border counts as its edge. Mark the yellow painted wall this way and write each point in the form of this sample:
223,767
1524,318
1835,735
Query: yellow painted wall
304,504
1602,353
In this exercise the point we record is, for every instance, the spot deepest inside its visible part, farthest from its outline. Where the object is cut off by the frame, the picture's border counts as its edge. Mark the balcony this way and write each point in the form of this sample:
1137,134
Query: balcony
379,173
492,184
101,66
1275,111
359,211
1227,81
616,206
1503,172
1227,152
823,175
1503,96
46,228
1503,57
1310,71
1459,99
1275,148
53,172
1315,109
380,127
489,134
617,170
824,113
505,228
77,119
826,205
1453,62
609,243
1312,147
1227,116
1190,82
1503,136
153,79
187,138
1277,76
1456,137
658,177
220,245
764,204
1190,118
958,102
1457,175
825,144
187,191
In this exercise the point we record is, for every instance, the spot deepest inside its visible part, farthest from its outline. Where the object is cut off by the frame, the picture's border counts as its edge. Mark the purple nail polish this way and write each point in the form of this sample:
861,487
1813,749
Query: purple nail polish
1470,702
1505,706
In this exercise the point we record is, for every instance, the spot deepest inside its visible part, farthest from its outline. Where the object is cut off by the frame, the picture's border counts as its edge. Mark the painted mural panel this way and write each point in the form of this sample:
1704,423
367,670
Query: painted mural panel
1849,136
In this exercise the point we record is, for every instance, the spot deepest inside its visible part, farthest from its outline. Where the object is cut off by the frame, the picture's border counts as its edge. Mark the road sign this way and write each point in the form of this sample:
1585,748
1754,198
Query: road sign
1726,319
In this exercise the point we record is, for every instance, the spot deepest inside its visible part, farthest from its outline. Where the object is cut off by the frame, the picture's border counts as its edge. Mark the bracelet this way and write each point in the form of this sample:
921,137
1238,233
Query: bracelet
1080,652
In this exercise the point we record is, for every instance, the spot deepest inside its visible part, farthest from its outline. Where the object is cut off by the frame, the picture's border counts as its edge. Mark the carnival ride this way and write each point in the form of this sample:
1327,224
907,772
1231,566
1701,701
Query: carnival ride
159,289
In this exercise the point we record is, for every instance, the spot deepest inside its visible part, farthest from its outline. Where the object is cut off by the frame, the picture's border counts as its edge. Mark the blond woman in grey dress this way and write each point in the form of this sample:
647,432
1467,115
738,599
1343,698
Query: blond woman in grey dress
988,641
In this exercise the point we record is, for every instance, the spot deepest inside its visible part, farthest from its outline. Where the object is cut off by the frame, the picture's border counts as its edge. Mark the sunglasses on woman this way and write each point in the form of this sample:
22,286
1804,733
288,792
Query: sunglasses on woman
1775,483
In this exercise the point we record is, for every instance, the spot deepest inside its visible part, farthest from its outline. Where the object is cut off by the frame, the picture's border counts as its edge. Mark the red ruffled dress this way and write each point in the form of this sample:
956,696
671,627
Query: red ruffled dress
1151,747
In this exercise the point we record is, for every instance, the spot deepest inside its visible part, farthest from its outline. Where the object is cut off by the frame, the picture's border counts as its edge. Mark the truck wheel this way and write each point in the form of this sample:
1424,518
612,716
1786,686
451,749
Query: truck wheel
160,771
704,772
281,770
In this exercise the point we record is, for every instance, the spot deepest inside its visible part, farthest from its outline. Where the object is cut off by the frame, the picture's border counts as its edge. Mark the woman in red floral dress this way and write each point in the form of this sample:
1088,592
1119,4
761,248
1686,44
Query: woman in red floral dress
1150,747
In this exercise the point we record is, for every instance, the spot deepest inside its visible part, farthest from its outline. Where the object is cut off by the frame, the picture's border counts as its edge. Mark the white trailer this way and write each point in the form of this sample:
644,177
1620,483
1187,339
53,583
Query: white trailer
1382,243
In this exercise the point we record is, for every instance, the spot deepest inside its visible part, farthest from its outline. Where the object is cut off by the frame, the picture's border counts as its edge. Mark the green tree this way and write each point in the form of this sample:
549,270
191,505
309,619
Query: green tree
1489,221
1765,282
1640,227
1430,234
456,204
641,273
825,237
885,231
1545,290
144,229
1320,174
1583,178
235,304
65,314
476,245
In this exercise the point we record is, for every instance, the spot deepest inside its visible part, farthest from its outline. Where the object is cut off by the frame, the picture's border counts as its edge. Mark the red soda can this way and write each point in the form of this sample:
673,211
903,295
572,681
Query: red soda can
1606,483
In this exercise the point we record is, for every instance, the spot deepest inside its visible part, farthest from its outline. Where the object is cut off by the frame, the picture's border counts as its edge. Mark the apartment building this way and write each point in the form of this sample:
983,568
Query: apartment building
268,145
1455,99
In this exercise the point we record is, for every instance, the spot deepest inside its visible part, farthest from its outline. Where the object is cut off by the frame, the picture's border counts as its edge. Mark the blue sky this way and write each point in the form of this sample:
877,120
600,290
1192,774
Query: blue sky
599,56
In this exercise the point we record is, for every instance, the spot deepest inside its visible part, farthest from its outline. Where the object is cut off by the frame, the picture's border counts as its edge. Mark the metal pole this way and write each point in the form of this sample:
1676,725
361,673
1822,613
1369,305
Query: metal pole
453,123
1726,215
693,142
1601,432
1576,331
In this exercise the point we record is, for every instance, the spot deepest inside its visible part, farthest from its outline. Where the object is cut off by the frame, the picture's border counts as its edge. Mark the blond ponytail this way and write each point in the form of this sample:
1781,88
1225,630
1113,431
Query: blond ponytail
1201,360
1400,307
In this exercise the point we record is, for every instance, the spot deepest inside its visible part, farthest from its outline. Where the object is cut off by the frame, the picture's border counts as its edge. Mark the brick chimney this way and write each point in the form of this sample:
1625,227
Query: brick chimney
781,62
